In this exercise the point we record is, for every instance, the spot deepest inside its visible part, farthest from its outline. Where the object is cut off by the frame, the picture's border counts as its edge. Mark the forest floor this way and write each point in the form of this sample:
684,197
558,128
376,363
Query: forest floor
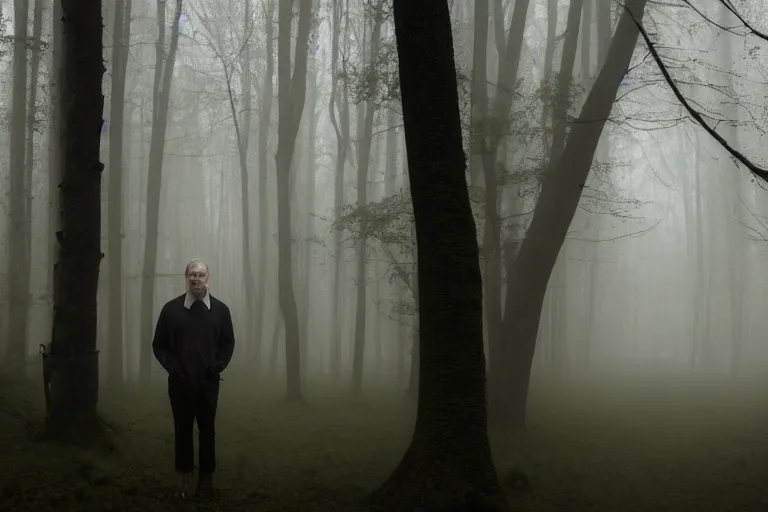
599,445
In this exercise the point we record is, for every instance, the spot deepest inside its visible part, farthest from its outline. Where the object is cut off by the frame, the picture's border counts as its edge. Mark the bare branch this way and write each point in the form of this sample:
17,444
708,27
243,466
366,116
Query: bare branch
755,169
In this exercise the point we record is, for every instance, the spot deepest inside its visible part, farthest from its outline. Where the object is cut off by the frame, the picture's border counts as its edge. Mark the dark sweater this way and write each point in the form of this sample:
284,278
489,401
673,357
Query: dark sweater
195,343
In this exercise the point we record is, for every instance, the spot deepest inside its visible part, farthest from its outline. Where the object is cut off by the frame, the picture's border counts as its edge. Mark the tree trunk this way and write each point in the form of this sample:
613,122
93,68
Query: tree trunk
737,256
342,129
591,249
561,190
163,78
486,144
559,317
29,159
75,377
18,259
363,163
390,183
55,147
413,376
121,38
243,133
309,224
291,91
448,465
242,124
265,119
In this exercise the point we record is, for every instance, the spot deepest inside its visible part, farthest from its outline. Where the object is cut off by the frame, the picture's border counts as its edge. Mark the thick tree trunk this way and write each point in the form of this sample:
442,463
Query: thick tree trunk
55,147
292,92
75,377
18,259
555,208
163,79
121,37
448,465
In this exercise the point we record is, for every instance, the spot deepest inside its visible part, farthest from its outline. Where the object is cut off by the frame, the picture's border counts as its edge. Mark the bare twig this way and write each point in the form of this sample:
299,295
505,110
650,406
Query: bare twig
755,169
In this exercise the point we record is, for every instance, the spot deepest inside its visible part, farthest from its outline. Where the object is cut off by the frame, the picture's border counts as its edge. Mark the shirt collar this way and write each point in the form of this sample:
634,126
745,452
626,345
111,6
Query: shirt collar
190,299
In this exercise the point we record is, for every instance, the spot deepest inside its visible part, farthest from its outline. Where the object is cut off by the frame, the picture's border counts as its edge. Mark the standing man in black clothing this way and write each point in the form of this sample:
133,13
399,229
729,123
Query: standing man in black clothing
194,342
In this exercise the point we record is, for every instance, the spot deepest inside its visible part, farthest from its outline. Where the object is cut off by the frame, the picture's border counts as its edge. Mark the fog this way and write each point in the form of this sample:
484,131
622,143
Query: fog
616,179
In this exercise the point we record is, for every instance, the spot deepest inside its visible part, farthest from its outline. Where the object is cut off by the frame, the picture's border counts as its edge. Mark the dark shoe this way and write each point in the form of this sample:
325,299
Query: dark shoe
184,481
205,488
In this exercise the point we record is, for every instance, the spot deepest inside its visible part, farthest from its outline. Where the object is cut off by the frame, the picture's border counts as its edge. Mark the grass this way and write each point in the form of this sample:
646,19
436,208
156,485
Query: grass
660,444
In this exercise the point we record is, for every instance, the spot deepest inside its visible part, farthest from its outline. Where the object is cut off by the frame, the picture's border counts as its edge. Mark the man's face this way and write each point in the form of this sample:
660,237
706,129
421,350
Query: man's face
197,279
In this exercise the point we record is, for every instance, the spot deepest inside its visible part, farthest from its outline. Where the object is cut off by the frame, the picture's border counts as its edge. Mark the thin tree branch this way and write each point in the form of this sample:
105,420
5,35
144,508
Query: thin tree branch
755,169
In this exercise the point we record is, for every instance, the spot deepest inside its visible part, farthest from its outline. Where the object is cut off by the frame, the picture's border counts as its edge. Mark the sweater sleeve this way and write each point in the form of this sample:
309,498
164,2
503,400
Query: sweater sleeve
226,345
161,344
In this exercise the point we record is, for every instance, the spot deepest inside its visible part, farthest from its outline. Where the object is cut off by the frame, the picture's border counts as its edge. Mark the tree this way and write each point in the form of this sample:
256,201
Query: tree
368,109
241,121
291,94
35,46
341,129
265,118
448,465
18,260
75,377
561,190
161,100
121,38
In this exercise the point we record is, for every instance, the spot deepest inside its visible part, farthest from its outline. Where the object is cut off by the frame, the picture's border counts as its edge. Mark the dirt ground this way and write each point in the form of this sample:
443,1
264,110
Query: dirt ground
655,444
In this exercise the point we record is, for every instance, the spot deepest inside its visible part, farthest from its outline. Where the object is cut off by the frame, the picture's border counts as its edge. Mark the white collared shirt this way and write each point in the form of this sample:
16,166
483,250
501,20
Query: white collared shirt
190,299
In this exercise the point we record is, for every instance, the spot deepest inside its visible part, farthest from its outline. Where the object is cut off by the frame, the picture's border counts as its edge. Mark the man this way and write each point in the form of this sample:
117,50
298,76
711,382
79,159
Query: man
194,341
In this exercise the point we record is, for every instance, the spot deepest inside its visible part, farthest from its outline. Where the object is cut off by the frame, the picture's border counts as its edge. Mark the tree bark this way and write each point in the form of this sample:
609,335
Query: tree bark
265,121
486,143
561,189
121,37
75,377
18,259
55,147
29,159
309,223
363,163
163,79
342,130
291,93
448,465
243,133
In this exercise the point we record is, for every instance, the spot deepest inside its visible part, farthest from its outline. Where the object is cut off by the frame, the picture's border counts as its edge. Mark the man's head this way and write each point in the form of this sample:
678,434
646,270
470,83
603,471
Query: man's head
197,278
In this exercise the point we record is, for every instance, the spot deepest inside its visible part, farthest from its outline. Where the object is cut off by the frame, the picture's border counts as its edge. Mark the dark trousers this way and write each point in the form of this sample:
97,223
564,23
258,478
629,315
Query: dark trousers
192,401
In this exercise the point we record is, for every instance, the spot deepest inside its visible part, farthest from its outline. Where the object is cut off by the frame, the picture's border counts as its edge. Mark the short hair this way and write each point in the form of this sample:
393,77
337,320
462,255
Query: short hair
195,262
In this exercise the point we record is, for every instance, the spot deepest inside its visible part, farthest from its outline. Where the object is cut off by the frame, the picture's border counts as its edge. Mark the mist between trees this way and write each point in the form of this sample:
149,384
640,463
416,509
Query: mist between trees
613,164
